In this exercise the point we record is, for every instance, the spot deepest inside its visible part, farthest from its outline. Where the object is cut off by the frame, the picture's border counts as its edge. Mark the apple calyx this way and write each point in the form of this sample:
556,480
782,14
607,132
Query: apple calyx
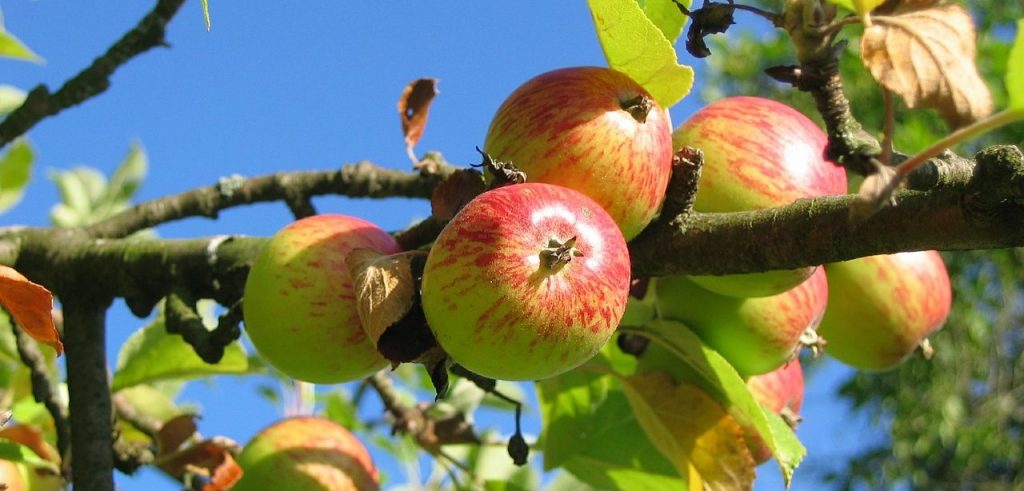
791,417
638,107
557,254
811,339
926,349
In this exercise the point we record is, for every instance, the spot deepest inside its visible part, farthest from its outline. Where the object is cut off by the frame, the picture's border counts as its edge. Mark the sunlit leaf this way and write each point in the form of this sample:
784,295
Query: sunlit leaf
665,14
1015,70
414,108
10,98
692,430
16,452
12,47
30,305
925,54
713,373
150,354
206,13
384,288
33,438
633,45
15,172
128,177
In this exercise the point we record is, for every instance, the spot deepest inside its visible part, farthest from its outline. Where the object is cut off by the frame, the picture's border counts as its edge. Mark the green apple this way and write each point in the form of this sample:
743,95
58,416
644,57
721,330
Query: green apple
881,307
526,282
306,453
592,129
299,303
756,335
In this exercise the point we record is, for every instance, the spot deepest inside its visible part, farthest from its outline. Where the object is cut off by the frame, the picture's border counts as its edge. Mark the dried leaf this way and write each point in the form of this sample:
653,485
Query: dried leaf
174,433
384,288
413,106
210,459
691,430
875,193
454,192
925,53
33,438
31,307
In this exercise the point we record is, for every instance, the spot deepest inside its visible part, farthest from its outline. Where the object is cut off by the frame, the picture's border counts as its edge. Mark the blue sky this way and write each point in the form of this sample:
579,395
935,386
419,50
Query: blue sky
276,88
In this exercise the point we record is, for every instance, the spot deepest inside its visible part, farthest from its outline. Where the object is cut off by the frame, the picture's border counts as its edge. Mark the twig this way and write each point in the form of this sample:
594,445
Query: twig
42,391
94,79
363,179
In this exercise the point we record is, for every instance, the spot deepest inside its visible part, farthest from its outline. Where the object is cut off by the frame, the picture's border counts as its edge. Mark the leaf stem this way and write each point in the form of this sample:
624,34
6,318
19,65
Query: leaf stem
959,136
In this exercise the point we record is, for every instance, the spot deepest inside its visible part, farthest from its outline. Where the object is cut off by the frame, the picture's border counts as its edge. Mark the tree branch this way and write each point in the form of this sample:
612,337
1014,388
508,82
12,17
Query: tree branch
42,392
94,79
363,179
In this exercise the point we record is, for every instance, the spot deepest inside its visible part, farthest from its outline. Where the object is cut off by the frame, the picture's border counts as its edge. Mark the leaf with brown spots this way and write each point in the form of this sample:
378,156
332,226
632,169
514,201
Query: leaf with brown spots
413,107
691,430
384,287
924,52
31,306
174,433
454,192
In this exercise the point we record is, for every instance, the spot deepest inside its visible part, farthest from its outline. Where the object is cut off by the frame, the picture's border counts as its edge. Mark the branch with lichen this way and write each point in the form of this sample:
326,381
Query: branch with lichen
43,393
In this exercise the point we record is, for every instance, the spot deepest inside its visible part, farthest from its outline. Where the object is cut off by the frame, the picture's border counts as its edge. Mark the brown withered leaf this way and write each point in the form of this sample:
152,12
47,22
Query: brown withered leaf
692,430
384,286
875,193
454,192
924,51
174,433
210,459
413,107
30,305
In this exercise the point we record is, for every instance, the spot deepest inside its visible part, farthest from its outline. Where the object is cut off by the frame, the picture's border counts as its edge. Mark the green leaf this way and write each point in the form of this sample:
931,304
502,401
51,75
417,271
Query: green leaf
10,98
123,185
846,4
11,47
635,46
588,423
150,354
16,452
726,385
666,16
206,14
1015,70
15,171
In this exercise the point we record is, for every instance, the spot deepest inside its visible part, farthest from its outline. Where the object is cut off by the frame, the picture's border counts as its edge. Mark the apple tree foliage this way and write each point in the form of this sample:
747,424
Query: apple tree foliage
965,431
680,424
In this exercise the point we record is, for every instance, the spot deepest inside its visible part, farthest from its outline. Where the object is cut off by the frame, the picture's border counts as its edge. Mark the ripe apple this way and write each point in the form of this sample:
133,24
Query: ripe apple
307,453
882,307
780,391
299,304
758,153
756,335
19,476
526,282
10,476
591,129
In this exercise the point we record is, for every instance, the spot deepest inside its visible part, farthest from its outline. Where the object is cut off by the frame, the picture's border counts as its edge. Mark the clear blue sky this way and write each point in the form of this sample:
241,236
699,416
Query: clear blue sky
279,86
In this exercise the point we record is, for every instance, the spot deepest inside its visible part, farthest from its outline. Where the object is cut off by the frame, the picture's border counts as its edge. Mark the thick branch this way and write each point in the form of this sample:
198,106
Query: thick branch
356,180
92,429
93,80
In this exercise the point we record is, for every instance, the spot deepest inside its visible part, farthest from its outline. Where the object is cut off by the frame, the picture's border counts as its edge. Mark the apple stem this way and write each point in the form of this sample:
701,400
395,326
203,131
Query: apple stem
638,107
557,254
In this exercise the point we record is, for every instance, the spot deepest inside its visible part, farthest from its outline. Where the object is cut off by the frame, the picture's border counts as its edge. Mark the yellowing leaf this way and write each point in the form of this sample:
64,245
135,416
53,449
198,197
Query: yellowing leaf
206,14
11,47
1015,70
30,305
925,54
692,430
633,45
385,289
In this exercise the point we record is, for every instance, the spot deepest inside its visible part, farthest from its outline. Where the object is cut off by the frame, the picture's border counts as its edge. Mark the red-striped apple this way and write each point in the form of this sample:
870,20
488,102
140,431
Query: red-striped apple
591,129
526,282
882,307
780,391
299,304
758,153
756,335
307,453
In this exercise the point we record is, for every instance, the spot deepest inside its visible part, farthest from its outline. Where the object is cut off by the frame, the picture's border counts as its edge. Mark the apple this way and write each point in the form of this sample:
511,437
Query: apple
758,153
780,391
882,307
756,335
592,129
307,453
10,476
527,281
299,304
19,476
